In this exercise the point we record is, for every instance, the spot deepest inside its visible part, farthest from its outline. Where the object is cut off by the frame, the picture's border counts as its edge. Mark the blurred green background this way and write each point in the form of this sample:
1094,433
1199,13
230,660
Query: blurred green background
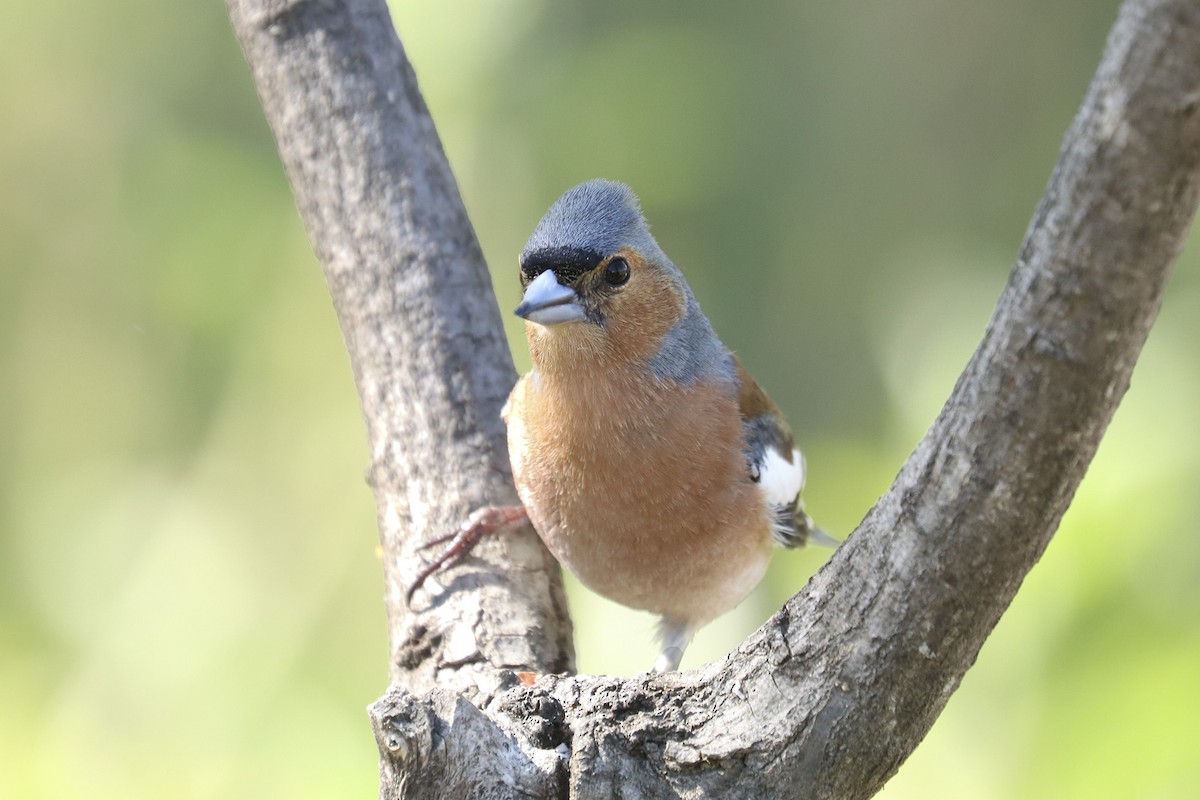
190,600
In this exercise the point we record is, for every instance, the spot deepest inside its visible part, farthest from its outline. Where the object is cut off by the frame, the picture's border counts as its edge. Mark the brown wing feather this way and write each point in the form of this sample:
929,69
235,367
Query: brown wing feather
763,426
760,412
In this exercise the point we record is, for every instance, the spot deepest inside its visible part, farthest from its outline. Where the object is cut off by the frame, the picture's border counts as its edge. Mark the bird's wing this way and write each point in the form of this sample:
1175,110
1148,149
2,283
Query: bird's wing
773,460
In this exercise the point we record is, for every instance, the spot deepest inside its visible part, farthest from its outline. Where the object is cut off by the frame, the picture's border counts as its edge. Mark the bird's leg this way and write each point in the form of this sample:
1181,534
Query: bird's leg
482,522
675,636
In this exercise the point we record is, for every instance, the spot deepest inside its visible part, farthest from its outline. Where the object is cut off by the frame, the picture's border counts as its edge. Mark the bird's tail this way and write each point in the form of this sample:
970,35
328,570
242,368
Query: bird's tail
818,536
795,528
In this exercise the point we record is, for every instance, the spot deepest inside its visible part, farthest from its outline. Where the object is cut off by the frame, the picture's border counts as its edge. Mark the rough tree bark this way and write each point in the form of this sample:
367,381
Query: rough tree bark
833,693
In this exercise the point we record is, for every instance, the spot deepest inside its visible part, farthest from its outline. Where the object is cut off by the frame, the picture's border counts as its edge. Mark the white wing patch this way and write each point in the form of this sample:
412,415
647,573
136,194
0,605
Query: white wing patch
780,481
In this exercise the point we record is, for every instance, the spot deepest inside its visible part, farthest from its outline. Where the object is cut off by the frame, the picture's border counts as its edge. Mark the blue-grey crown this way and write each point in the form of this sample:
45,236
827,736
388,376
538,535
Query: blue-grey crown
592,221
598,218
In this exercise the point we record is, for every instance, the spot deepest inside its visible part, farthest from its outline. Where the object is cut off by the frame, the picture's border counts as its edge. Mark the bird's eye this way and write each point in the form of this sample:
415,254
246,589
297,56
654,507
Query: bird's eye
616,272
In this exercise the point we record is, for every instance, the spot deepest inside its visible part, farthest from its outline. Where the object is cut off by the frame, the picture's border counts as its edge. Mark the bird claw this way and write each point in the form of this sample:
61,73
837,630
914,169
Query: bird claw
482,522
444,538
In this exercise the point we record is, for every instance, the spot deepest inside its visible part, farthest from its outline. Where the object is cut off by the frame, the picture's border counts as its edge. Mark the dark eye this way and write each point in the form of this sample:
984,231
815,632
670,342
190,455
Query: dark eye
616,272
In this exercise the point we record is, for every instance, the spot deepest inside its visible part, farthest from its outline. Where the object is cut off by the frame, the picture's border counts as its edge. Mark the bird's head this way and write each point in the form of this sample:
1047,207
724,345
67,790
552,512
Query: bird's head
595,280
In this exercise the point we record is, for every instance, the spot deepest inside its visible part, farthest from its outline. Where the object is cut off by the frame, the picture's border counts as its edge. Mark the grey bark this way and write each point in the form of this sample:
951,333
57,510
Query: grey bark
830,696
415,304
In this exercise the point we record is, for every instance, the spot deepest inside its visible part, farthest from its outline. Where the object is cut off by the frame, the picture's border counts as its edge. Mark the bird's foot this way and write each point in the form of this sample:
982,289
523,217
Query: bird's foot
668,660
674,635
482,522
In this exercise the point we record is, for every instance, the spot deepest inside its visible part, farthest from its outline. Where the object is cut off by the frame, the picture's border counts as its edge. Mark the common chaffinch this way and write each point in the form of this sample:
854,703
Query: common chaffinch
648,460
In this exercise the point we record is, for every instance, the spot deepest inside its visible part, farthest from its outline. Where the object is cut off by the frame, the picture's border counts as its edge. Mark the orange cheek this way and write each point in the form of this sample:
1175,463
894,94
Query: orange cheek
640,316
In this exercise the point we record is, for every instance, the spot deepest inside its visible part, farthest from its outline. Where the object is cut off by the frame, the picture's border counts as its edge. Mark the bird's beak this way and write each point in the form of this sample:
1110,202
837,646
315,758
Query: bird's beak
548,302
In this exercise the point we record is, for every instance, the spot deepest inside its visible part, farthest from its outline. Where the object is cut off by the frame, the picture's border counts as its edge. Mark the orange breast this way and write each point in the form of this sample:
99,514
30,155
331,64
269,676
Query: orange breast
639,487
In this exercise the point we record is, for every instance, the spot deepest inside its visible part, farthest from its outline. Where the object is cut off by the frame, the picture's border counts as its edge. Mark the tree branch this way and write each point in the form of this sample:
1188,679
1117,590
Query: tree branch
416,308
833,693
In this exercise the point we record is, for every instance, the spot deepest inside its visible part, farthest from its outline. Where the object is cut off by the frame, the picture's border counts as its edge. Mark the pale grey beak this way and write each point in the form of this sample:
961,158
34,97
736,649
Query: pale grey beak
548,302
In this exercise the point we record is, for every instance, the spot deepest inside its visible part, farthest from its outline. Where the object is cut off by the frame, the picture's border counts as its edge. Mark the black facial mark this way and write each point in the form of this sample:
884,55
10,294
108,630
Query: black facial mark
568,263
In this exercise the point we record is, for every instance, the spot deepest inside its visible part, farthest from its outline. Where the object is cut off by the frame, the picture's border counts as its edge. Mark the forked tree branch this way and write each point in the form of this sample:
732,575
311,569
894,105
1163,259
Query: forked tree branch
833,693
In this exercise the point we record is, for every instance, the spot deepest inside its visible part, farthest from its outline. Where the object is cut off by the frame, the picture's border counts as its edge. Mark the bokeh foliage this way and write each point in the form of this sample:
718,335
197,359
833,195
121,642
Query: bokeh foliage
190,599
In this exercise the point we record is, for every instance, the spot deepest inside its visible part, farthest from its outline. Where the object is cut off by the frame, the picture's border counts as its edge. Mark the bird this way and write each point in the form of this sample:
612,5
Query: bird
649,461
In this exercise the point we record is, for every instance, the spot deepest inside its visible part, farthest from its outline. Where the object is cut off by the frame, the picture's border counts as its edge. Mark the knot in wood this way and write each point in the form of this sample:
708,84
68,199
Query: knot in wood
539,715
